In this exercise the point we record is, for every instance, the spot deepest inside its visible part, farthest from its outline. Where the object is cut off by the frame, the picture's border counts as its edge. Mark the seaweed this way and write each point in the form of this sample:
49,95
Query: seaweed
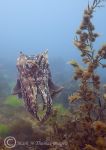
13,101
4,130
92,102
90,83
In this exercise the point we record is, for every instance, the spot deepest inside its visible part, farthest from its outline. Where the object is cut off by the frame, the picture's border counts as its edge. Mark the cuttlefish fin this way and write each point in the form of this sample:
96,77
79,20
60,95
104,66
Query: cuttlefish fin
54,89
17,89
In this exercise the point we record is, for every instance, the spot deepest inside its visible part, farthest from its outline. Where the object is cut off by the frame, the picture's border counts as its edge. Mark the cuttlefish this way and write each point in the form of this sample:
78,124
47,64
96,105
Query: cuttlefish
34,78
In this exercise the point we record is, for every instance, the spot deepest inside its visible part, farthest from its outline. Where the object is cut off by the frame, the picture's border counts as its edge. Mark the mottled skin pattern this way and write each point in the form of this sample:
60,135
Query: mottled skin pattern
34,78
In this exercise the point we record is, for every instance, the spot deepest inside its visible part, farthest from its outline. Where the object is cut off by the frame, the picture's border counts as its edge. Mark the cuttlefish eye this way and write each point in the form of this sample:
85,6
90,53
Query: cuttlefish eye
30,63
27,66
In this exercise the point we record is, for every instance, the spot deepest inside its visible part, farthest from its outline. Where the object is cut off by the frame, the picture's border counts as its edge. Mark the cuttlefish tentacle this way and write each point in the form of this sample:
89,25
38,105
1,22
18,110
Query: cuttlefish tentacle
42,79
49,109
27,87
26,97
29,91
44,96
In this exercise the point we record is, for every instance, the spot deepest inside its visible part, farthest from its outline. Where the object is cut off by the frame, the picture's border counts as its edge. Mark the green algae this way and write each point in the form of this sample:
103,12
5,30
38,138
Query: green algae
13,101
4,130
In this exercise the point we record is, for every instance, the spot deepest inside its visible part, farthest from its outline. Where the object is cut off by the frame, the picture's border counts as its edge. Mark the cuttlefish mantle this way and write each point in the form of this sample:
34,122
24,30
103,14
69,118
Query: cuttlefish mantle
35,78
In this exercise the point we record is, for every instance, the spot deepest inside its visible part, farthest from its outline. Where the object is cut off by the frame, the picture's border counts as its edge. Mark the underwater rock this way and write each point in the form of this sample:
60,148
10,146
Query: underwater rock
35,78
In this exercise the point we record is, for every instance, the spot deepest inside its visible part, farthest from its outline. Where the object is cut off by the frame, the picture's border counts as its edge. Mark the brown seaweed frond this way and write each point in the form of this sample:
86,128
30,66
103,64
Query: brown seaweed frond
90,82
74,97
